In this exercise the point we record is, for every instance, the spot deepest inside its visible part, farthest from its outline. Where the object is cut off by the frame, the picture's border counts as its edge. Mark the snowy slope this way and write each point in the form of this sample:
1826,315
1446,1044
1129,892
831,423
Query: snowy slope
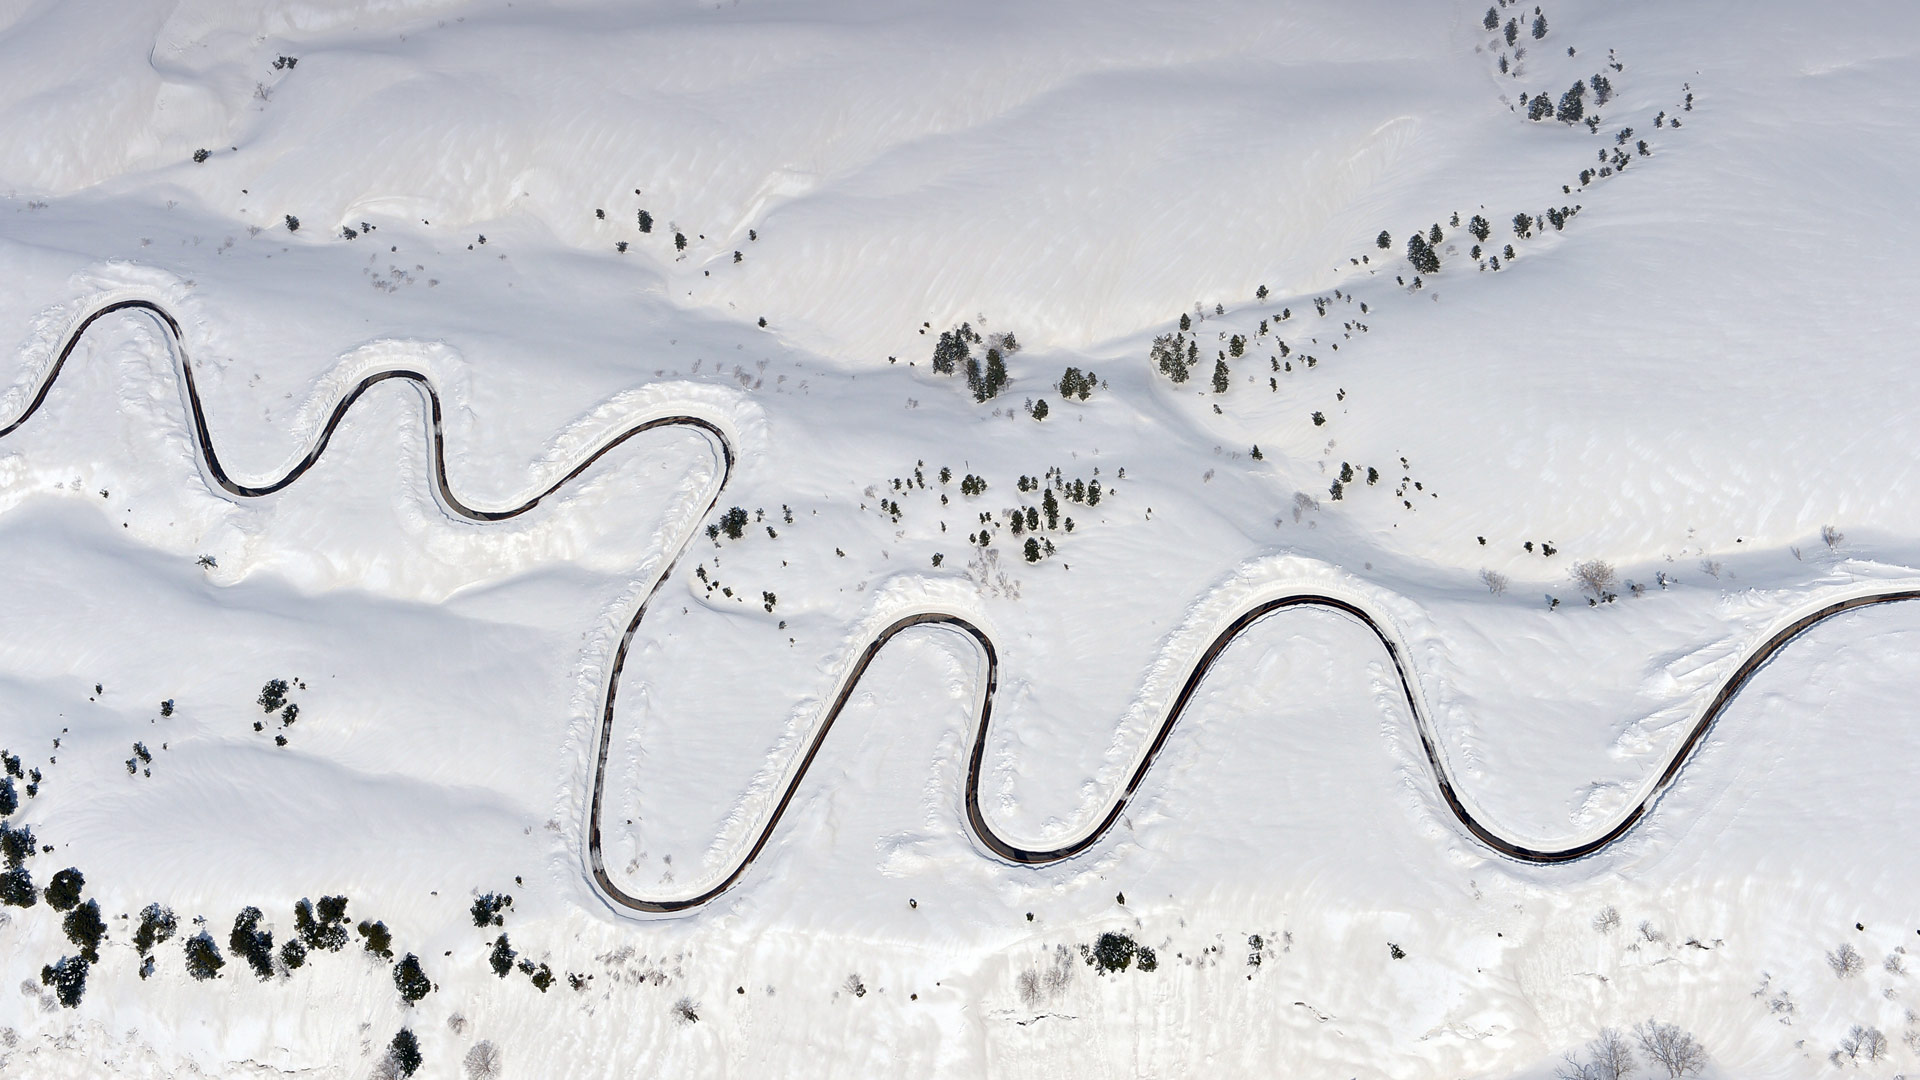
1702,370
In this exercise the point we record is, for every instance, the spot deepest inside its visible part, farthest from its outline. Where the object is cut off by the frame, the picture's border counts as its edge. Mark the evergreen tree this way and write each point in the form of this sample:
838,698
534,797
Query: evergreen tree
1422,255
996,376
252,943
1032,550
1186,323
1522,226
1040,409
646,222
1257,455
501,958
328,930
85,928
976,383
1220,374
949,353
9,798
68,979
16,888
157,924
404,1052
377,939
1512,31
1433,237
679,241
1170,355
293,953
1383,241
1540,108
203,957
1051,507
412,982
63,892
1573,104
1479,228
1492,21
1602,92
1539,27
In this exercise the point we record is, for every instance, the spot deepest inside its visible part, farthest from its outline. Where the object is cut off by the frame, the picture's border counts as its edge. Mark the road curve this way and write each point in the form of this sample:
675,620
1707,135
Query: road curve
981,828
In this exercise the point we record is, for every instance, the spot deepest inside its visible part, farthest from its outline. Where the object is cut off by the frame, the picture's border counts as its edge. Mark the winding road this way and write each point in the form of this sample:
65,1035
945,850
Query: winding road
982,830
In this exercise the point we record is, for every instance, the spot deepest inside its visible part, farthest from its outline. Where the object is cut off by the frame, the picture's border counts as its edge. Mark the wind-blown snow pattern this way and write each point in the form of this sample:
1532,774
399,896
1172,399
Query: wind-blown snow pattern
616,570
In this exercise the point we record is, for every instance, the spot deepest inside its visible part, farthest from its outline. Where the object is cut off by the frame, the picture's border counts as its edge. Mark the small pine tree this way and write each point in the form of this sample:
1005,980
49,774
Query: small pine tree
203,957
1602,91
1050,506
1220,374
157,924
1492,21
63,892
252,943
646,222
1040,409
68,979
1539,27
996,376
1433,236
949,352
16,888
1424,259
501,958
1479,228
1383,241
1186,323
1522,227
1573,104
377,939
412,982
85,928
1257,455
404,1052
1032,550
679,241
1512,31
1170,355
1260,293
1540,108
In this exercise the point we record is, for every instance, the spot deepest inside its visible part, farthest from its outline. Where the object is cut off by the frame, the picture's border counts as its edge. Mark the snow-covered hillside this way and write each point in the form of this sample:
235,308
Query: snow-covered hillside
1645,414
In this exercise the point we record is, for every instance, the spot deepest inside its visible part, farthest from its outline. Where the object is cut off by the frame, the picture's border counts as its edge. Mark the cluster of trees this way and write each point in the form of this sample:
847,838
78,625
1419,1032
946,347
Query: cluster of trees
1611,1056
1174,354
1116,951
1073,384
733,523
954,352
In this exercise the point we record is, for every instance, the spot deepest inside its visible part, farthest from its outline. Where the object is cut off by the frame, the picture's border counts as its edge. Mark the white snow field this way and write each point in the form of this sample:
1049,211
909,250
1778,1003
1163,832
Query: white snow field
1697,386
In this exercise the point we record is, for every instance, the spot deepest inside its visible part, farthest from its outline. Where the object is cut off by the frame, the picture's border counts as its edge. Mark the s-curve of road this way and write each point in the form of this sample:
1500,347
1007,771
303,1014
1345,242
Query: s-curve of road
983,831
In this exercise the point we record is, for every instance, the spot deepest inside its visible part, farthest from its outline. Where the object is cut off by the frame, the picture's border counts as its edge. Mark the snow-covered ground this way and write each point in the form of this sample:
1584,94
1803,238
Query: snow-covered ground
1687,383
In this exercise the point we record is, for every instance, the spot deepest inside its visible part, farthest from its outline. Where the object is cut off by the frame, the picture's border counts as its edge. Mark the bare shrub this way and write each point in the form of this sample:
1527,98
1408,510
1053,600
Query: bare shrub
1494,580
483,1061
1596,578
1610,1057
1846,961
1669,1047
1651,932
1607,921
1896,963
1832,537
687,1011
854,986
1029,986
1861,1042
1712,567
